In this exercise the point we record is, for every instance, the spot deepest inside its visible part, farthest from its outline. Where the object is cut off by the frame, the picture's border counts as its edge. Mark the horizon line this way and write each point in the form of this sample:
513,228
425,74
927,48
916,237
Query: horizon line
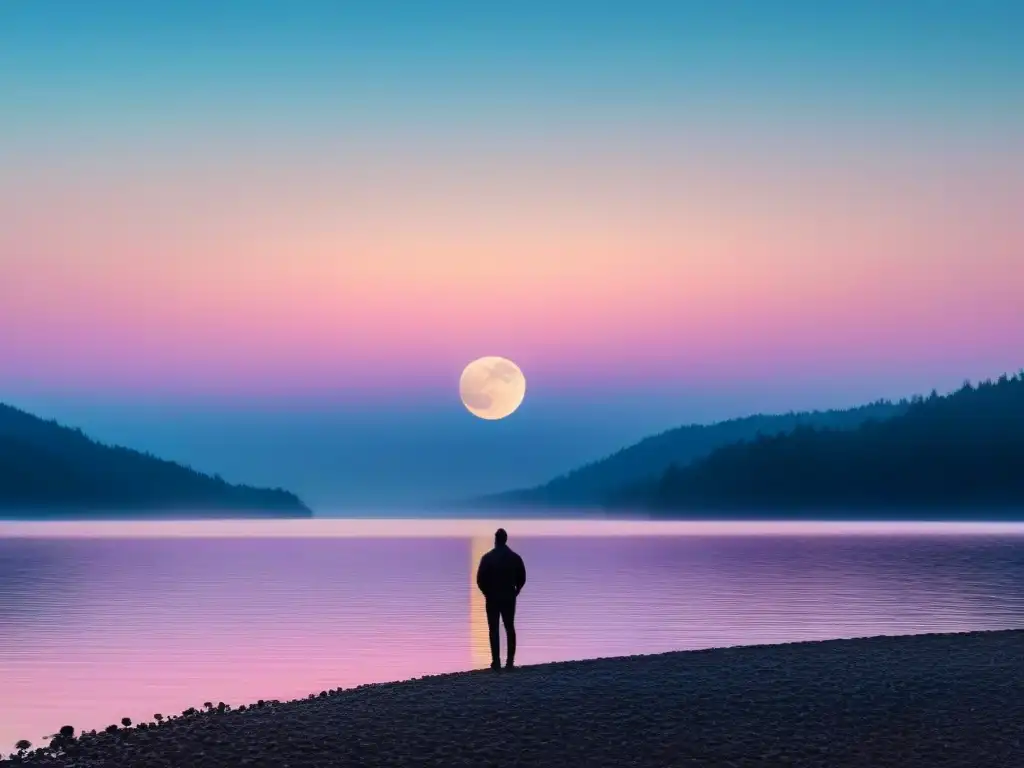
364,527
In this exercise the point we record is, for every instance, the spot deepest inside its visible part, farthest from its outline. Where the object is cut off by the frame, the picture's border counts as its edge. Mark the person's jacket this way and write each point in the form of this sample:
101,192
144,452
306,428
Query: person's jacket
501,574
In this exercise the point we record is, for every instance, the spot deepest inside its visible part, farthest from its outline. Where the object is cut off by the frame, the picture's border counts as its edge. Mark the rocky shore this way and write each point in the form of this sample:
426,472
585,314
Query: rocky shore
933,701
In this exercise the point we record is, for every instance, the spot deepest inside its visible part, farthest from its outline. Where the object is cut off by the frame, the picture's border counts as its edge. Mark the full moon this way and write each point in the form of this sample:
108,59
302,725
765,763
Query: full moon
492,387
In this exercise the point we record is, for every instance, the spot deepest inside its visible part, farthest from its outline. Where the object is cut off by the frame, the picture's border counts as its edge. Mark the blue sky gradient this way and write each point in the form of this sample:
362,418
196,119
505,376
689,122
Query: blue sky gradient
101,90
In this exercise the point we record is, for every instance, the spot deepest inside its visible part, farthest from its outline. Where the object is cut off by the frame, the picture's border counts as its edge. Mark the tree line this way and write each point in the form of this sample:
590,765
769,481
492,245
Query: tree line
952,451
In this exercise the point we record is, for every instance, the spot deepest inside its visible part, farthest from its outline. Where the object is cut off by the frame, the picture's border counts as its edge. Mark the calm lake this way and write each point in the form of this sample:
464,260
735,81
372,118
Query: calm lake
104,620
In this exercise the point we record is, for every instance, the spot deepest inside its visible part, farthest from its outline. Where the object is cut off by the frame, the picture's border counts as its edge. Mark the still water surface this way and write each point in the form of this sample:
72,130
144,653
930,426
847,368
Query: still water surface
101,621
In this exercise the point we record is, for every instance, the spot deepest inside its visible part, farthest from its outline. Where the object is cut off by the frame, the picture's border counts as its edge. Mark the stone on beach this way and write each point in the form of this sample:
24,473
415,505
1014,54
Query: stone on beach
929,700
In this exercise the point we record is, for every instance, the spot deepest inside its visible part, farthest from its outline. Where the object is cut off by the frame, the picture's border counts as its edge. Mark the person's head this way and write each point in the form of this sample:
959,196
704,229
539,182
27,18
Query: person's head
500,537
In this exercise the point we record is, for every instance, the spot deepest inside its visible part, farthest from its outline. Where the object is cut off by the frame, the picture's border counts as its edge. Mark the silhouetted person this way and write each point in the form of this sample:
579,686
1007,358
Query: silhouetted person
501,577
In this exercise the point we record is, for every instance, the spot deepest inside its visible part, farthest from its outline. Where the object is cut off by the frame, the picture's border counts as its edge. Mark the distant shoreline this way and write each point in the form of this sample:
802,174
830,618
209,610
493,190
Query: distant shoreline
908,701
1010,511
326,527
156,515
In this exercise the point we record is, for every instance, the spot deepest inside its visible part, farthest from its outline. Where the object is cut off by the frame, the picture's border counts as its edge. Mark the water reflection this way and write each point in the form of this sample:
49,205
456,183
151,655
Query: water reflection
479,642
94,629
30,570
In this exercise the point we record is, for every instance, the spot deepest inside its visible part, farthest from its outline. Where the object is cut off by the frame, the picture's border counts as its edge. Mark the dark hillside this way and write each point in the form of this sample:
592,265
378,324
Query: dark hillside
965,449
47,469
645,461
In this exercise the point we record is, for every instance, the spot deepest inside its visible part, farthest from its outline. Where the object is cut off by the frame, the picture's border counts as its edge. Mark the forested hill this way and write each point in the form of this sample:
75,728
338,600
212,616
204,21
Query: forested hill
47,469
962,450
646,460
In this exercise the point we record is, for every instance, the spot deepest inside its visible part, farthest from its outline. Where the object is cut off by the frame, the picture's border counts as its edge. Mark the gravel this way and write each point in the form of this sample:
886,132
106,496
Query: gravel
927,700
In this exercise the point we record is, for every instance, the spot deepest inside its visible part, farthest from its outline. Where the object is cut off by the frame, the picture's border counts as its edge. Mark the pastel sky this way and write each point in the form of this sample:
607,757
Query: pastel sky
265,237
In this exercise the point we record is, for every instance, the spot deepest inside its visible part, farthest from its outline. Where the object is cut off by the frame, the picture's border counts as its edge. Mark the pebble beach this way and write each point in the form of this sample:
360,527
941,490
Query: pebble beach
928,701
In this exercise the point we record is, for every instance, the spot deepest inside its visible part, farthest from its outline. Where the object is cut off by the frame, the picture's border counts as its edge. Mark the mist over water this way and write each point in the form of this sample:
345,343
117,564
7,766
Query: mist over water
104,620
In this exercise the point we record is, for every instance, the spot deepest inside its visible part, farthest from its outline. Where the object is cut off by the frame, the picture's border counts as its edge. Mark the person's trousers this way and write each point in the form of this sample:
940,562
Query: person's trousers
505,609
